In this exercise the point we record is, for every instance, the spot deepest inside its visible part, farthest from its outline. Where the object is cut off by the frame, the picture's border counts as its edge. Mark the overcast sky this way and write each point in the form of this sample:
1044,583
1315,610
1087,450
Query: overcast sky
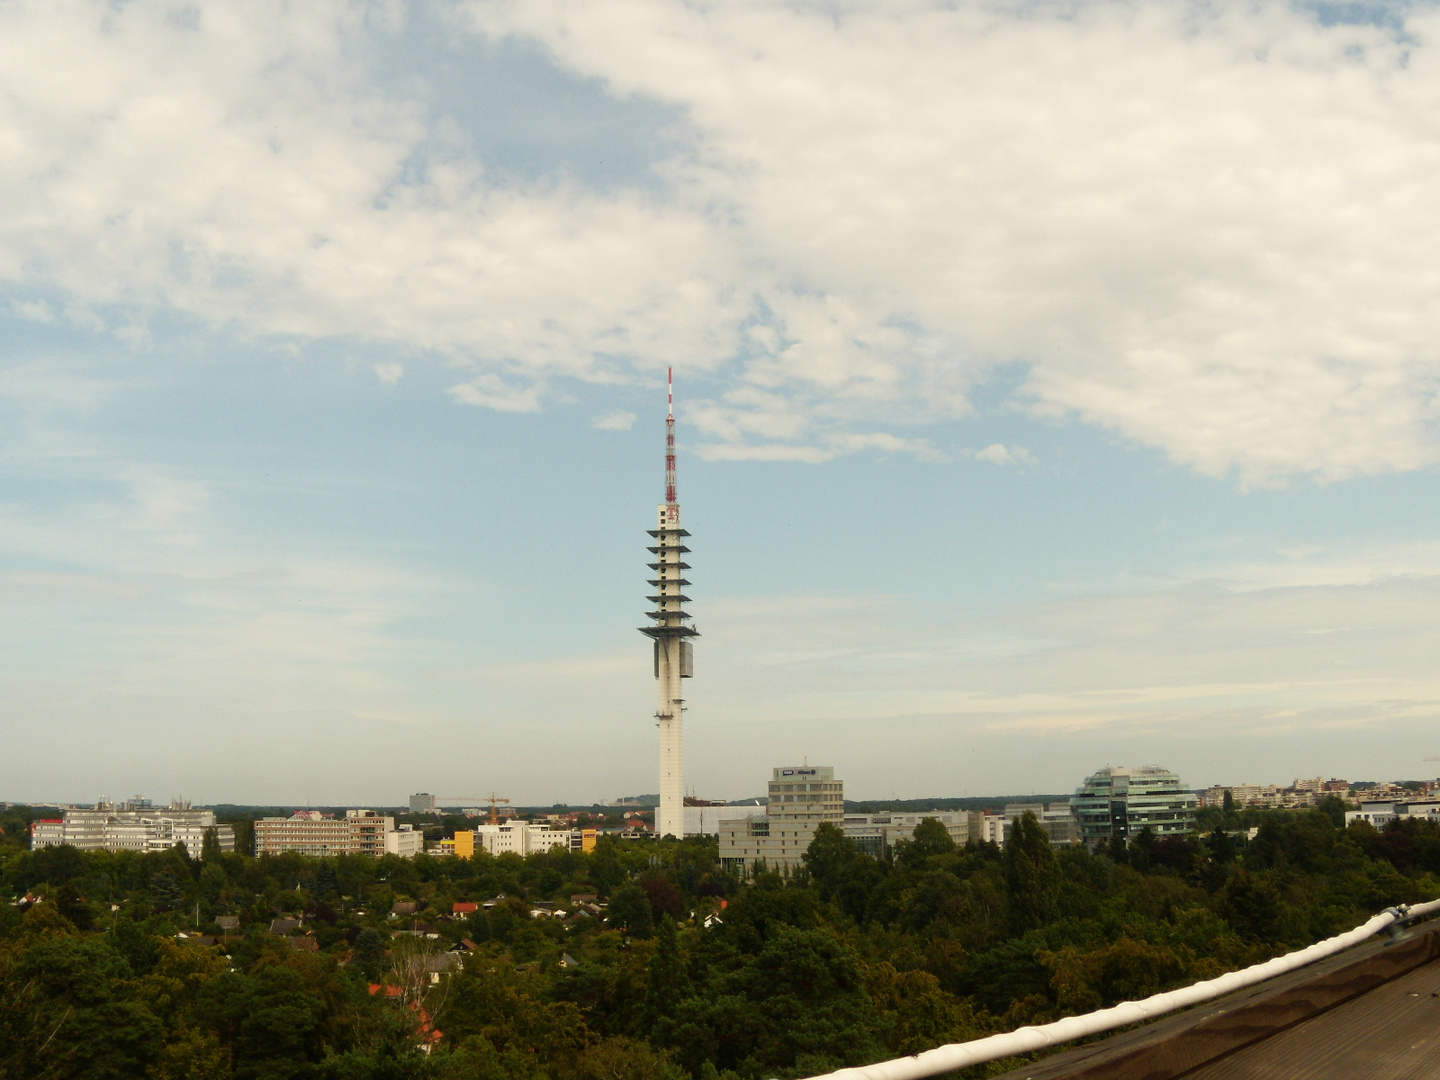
1056,387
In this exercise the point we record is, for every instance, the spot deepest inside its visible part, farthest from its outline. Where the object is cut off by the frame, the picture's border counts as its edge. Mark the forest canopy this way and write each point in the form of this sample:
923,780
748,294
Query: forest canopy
642,959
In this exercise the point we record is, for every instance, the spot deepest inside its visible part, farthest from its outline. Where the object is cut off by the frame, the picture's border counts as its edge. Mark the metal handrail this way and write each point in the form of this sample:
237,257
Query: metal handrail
1024,1040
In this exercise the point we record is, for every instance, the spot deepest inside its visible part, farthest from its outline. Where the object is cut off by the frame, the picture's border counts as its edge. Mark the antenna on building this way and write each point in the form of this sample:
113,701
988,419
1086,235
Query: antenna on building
670,440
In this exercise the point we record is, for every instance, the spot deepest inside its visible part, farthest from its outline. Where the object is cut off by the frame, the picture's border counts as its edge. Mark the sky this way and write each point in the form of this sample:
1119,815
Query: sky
1056,387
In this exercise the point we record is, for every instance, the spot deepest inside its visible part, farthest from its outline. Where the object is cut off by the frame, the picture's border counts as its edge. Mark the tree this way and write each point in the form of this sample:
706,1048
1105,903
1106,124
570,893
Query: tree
1032,879
1227,803
270,1020
1333,807
626,1059
244,836
664,897
326,885
630,911
210,847
930,838
166,892
1252,906
370,952
1222,847
828,858
67,1009
668,981
74,907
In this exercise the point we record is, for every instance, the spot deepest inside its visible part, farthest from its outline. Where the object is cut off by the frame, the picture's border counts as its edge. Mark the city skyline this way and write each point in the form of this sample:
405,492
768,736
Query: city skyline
1059,392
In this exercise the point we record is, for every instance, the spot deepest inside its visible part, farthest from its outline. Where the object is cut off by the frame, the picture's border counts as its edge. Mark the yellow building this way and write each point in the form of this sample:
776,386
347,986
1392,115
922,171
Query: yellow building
587,840
464,843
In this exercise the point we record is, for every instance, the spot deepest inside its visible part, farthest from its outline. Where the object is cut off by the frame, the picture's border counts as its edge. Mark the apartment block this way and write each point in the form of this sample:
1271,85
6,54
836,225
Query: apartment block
310,832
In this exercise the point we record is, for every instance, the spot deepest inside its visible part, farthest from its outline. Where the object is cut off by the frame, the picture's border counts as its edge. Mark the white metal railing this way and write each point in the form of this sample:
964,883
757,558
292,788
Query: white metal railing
943,1059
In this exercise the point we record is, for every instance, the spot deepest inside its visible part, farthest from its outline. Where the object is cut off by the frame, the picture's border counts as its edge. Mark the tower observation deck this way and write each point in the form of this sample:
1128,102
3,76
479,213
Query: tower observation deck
670,630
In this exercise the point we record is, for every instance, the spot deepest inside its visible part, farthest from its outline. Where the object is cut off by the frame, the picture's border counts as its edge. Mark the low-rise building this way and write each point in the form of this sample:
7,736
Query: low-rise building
1379,814
877,834
1057,819
521,838
705,820
134,826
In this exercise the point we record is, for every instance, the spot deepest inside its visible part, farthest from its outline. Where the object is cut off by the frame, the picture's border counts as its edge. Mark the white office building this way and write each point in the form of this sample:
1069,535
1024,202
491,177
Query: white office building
801,798
516,838
133,826
1380,814
406,841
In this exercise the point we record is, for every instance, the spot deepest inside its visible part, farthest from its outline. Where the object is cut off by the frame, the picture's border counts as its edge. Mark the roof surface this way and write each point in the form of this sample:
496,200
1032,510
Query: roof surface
1370,1013
1390,1033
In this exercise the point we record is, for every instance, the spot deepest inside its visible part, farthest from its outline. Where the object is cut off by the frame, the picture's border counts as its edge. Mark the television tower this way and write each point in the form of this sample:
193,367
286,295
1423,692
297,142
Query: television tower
670,633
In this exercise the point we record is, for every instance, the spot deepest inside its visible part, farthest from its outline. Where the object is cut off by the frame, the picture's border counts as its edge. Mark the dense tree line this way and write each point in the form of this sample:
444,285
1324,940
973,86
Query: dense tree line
685,972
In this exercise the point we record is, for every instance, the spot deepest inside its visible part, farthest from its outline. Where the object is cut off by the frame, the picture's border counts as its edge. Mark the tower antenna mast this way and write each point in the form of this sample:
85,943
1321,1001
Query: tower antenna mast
670,632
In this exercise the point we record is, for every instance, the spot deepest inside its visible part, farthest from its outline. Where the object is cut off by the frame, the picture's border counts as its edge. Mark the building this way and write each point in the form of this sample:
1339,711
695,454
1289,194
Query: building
406,841
134,826
422,803
521,838
995,829
1380,814
1270,797
1057,819
705,820
801,798
1117,803
310,832
877,834
670,633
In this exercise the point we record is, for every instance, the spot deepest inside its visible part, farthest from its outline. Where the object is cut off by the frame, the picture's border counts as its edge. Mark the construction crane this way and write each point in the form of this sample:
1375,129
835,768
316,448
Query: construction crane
493,799
495,813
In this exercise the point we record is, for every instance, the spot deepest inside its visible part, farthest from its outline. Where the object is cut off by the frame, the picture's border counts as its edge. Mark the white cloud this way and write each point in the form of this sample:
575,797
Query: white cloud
1209,229
830,446
493,392
389,372
615,421
1206,228
33,310
1000,454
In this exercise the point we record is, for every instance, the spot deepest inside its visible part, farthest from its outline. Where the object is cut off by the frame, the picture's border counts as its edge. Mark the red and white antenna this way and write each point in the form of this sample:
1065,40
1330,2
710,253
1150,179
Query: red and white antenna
670,442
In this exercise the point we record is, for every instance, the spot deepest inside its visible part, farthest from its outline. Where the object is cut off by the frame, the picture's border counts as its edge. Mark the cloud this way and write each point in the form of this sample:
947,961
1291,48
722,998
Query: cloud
615,421
493,392
831,446
999,454
1207,229
389,372
33,310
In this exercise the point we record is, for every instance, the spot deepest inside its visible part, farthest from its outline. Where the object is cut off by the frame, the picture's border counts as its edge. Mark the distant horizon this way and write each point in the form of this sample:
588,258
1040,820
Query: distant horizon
744,800
1019,429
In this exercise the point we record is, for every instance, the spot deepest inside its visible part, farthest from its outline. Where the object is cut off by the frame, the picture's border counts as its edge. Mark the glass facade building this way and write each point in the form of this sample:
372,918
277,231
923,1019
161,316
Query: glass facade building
1119,802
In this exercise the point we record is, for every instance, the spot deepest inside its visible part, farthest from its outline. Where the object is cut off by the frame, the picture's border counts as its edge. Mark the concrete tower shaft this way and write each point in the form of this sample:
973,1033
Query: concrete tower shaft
670,631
